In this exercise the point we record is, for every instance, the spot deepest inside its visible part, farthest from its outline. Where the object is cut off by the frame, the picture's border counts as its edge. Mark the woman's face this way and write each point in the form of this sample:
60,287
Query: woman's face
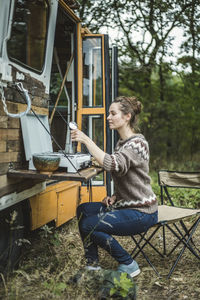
116,118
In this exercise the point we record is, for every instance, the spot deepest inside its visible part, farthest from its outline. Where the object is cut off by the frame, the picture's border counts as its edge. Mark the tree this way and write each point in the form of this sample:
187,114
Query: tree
147,70
153,20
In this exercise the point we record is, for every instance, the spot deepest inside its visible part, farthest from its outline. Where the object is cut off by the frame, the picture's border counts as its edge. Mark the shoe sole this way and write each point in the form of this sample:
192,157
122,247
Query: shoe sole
134,274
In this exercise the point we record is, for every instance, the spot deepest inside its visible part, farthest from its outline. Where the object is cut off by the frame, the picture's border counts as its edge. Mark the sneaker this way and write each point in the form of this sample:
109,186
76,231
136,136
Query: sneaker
131,269
93,268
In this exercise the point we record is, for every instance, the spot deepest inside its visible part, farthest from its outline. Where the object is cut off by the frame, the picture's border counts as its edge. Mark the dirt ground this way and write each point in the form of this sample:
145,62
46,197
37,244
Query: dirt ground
51,257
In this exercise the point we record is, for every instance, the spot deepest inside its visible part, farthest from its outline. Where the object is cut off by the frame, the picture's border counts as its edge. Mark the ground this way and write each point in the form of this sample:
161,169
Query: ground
51,257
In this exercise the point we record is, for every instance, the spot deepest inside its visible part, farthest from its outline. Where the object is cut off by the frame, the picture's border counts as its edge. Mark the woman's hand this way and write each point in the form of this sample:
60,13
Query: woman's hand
109,200
78,136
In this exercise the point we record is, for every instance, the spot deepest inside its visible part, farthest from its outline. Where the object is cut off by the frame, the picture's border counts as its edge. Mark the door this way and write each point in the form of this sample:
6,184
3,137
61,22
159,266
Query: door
94,101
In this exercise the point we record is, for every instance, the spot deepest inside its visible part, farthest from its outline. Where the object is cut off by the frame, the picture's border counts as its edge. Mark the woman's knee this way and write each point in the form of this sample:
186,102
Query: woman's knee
80,209
89,209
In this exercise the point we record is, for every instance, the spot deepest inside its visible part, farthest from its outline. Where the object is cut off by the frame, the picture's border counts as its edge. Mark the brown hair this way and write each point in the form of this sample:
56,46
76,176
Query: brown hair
130,105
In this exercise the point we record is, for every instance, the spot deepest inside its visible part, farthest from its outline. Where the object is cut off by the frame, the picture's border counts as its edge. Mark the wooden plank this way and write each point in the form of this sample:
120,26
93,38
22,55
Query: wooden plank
13,146
37,109
2,112
3,121
17,196
9,134
5,181
14,165
8,157
15,185
19,107
11,107
3,168
3,146
13,123
83,175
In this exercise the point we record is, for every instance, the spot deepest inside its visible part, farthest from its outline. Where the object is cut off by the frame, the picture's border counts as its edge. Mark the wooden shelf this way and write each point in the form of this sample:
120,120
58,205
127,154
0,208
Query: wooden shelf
83,175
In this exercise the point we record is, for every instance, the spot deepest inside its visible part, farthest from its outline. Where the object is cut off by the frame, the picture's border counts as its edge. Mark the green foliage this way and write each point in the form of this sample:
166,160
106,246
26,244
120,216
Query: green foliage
55,85
184,197
168,88
122,286
39,274
55,240
50,234
56,288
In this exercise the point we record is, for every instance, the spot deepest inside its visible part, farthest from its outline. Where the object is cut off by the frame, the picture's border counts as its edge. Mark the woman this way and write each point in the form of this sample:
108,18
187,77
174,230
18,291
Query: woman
133,207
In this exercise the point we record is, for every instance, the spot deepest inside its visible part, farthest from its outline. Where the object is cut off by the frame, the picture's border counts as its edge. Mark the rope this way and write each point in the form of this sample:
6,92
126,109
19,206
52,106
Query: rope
25,95
20,87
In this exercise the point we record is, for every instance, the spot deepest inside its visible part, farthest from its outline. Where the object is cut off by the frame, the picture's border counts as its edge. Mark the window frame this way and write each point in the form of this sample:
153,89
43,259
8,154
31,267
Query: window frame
19,62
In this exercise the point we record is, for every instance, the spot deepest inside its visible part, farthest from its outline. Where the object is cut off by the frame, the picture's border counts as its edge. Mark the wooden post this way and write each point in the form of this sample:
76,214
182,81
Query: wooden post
61,88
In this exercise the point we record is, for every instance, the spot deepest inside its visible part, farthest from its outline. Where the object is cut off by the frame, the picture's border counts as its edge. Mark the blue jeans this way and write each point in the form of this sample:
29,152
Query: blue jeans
97,225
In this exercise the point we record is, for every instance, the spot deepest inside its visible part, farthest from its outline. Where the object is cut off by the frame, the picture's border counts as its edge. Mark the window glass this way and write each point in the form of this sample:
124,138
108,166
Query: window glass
29,33
92,125
92,72
4,11
63,61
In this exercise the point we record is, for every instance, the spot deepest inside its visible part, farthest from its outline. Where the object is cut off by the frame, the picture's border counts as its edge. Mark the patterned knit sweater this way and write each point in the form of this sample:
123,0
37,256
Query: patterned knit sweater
129,167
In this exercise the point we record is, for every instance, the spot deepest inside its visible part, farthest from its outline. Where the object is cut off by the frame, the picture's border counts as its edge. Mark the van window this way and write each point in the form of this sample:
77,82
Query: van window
92,125
29,33
92,72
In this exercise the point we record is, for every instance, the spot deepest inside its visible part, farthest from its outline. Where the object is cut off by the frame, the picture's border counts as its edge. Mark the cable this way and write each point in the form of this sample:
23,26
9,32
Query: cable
67,123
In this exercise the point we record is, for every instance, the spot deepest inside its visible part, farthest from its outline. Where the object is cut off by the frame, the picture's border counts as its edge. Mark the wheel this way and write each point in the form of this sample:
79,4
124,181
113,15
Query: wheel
11,231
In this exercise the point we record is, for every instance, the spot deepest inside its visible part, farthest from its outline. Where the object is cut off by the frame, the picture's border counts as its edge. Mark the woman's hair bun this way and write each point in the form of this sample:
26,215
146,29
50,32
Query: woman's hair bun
129,102
130,105
139,107
136,104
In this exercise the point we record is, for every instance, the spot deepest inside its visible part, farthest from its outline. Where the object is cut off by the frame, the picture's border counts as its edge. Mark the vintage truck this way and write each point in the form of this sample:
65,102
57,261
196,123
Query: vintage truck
53,70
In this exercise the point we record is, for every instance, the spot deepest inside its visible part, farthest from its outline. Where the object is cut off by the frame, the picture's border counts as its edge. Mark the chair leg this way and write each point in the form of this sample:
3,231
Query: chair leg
182,238
164,241
146,257
146,241
136,247
186,242
188,232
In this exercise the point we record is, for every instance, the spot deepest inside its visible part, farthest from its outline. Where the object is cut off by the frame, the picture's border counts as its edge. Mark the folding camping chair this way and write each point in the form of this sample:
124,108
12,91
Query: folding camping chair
171,217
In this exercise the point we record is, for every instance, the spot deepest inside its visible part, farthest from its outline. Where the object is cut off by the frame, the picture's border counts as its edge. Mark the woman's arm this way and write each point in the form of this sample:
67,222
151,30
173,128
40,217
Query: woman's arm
95,151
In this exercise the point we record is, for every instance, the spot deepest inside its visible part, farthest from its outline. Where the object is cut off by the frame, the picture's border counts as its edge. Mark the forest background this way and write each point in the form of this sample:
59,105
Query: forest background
168,85
166,82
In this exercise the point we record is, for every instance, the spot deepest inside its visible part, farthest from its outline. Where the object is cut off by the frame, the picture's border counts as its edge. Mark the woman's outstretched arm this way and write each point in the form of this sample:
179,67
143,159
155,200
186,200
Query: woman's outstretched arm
95,151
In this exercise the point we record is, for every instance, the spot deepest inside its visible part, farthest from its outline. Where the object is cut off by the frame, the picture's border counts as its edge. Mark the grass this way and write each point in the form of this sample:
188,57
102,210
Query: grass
56,255
47,265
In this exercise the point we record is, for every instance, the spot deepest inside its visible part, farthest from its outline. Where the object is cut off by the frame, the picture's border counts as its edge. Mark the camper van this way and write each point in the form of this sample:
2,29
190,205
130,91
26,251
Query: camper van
53,71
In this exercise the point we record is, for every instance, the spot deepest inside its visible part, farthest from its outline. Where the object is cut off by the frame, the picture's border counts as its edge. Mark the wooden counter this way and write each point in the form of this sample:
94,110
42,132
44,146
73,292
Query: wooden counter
83,175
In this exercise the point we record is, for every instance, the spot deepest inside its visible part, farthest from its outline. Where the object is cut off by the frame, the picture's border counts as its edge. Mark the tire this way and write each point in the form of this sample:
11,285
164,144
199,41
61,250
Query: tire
11,231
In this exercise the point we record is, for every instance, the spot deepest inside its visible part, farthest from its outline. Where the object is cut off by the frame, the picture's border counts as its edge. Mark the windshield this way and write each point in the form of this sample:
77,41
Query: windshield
27,43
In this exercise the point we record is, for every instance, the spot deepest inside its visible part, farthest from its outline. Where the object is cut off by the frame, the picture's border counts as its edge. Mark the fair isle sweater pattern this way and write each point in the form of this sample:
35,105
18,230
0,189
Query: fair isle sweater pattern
129,166
145,202
138,145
